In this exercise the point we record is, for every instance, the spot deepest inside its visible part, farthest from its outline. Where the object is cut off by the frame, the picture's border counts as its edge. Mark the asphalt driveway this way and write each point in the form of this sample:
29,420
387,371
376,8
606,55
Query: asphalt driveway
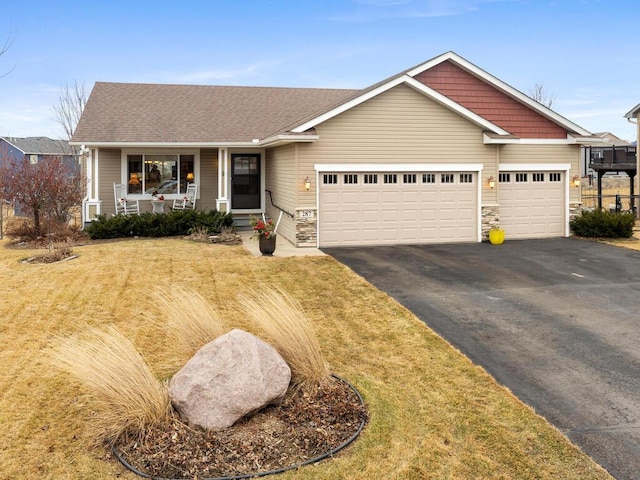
556,321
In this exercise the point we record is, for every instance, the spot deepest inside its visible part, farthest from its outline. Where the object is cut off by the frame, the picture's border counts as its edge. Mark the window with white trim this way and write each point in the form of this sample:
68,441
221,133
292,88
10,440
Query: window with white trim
409,178
428,178
555,177
466,178
521,177
350,178
447,178
504,177
537,177
371,178
390,178
164,174
330,179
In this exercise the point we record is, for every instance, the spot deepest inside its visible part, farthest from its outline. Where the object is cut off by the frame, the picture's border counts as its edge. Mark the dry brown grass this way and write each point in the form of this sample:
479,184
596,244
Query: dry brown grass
433,414
287,329
123,392
190,320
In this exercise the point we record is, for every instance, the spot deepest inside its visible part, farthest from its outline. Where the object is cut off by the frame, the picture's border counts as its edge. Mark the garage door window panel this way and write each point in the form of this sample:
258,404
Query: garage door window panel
409,178
370,178
390,178
429,178
446,178
350,179
330,179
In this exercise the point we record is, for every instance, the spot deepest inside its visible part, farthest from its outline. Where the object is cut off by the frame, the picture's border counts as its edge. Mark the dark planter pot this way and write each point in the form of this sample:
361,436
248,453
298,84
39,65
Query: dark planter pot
267,245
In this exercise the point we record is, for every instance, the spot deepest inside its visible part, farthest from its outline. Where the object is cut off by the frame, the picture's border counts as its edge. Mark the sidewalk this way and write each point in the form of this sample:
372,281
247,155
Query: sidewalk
284,248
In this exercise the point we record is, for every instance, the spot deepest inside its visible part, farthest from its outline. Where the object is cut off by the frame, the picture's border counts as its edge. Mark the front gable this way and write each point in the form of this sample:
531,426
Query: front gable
401,124
489,102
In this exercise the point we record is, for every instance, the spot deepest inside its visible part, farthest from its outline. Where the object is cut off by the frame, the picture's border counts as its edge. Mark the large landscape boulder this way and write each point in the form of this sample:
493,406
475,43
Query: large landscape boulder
231,377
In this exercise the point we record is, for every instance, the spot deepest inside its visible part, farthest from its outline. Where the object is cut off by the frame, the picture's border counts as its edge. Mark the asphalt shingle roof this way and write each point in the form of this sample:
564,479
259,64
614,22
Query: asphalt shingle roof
138,113
40,145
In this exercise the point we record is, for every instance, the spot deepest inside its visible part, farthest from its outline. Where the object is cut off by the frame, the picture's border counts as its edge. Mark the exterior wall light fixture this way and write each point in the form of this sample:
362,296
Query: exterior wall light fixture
491,182
307,184
576,180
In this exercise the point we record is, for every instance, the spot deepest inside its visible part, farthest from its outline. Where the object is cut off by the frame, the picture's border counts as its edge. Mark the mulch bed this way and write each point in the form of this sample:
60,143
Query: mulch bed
303,427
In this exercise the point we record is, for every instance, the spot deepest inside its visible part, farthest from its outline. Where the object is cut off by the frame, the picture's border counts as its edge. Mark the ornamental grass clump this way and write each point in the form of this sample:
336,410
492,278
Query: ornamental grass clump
288,330
125,395
191,321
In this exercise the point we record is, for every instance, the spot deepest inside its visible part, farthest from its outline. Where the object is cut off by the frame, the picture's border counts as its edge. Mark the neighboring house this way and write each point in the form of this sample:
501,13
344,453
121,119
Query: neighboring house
35,149
608,148
438,153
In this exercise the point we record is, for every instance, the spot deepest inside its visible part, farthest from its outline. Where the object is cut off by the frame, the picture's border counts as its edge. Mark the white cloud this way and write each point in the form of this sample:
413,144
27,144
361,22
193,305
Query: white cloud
372,10
206,76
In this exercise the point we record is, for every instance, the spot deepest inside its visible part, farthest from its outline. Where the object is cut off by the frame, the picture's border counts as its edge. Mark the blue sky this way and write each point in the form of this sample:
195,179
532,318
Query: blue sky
585,52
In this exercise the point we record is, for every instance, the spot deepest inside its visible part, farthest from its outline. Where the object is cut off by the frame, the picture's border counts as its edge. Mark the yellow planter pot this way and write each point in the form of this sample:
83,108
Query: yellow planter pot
496,236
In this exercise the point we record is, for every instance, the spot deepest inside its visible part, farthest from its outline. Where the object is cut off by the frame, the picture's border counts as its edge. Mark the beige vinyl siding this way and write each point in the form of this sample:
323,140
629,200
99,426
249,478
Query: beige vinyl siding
545,154
398,126
208,183
109,161
281,179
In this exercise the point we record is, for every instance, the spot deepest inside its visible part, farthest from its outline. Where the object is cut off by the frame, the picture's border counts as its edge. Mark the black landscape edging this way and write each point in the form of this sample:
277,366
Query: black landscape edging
317,459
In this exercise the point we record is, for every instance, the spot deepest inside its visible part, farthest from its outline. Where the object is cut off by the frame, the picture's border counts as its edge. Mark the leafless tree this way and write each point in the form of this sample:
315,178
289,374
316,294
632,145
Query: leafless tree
70,105
540,95
47,187
5,46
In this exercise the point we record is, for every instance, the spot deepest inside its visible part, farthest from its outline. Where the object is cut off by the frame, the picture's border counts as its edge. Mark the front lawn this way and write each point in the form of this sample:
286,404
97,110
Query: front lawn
433,413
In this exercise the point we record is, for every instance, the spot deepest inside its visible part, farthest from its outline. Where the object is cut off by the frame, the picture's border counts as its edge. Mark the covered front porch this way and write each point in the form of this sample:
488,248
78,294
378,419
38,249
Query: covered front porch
229,179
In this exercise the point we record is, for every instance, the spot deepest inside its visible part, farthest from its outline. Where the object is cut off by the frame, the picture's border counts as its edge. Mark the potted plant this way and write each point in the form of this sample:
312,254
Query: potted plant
156,196
265,231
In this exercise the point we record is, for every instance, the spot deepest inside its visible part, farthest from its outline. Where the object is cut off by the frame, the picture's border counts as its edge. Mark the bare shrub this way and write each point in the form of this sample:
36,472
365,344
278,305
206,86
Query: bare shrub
191,321
199,234
289,331
126,396
22,229
56,253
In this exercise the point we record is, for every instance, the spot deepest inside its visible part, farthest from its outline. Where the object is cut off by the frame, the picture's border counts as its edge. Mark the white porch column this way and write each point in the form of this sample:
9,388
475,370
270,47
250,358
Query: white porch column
91,205
222,202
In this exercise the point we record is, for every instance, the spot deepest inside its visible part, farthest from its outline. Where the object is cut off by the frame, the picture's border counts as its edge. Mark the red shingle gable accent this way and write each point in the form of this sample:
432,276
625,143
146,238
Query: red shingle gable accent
488,102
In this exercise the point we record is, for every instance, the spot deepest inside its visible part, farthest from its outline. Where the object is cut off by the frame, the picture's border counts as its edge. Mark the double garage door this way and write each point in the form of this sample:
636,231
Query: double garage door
414,207
384,208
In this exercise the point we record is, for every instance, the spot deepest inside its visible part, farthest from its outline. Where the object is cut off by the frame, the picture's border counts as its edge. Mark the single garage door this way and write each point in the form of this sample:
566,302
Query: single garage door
380,208
532,204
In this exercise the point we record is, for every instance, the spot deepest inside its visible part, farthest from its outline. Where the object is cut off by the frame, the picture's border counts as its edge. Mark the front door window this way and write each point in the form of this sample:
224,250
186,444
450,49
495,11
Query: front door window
245,181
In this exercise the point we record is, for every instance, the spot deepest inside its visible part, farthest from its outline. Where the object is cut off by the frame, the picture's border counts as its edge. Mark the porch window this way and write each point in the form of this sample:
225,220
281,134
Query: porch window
166,174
